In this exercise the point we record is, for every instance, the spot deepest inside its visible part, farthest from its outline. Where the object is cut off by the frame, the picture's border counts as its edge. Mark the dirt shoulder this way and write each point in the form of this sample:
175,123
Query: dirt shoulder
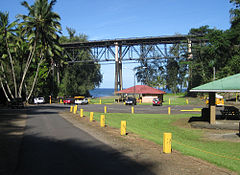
146,152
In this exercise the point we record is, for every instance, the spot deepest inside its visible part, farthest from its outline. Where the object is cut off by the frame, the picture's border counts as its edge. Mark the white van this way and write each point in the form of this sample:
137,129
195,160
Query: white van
39,100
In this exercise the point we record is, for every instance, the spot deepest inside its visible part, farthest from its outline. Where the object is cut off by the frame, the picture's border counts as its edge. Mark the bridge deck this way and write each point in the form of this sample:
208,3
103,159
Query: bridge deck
135,41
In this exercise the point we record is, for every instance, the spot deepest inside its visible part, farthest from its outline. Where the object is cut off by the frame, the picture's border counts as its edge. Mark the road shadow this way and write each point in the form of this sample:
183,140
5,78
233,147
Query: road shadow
11,127
48,156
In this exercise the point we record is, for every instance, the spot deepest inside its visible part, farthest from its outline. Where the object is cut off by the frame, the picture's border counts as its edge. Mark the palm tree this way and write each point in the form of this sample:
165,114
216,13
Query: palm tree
41,26
6,35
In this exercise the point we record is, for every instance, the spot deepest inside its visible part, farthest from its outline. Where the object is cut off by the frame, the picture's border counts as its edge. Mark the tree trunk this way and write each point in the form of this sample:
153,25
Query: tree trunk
35,79
4,91
4,77
26,91
29,60
58,77
12,69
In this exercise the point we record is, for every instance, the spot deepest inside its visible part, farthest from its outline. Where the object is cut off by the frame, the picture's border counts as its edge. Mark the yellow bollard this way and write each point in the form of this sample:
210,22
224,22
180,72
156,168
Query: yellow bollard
81,112
71,108
91,117
50,99
187,101
102,121
169,110
167,142
105,109
169,101
75,109
100,101
132,110
123,127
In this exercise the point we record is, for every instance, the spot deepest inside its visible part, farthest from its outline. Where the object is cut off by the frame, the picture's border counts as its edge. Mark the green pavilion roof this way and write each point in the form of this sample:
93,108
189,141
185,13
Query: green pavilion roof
228,84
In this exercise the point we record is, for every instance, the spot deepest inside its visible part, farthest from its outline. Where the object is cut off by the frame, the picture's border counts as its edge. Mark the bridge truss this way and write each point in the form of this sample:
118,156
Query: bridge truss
131,49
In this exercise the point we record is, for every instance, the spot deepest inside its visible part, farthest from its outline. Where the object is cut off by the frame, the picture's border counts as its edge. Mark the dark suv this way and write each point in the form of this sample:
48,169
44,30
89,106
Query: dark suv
131,101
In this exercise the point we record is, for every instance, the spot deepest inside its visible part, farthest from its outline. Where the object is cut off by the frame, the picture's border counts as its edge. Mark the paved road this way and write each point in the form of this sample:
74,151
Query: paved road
52,146
139,109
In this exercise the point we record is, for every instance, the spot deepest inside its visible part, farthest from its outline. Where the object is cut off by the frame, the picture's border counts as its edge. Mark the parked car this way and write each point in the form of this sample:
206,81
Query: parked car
81,101
39,100
131,101
68,101
157,102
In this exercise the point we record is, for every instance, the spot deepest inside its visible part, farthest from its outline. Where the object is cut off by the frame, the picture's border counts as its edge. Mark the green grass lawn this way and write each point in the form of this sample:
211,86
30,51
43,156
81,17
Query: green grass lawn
187,141
105,100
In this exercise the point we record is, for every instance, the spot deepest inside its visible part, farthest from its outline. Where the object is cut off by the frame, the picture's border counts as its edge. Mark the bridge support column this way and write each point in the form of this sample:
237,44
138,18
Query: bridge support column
118,68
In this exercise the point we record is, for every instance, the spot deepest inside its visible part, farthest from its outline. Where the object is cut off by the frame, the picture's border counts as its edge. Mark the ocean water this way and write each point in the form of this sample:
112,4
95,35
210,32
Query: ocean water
103,92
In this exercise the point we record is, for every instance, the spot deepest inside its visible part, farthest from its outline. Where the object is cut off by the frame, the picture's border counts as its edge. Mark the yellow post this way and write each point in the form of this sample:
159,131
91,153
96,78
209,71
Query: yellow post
50,100
167,142
75,109
81,112
105,109
100,101
71,108
123,127
102,121
132,110
187,101
169,110
91,117
169,101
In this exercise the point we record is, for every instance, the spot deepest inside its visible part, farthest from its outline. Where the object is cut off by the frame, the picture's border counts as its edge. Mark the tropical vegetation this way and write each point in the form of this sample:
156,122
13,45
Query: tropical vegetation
31,60
216,57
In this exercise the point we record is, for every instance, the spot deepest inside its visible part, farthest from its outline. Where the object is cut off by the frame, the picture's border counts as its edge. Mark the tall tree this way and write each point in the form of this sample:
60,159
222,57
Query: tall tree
79,77
6,33
41,26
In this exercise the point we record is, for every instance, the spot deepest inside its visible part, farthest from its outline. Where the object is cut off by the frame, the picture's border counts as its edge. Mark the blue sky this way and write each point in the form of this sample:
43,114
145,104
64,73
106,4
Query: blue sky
110,19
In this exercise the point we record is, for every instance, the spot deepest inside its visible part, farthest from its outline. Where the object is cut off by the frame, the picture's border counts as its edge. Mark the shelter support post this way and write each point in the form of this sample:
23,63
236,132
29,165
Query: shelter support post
212,107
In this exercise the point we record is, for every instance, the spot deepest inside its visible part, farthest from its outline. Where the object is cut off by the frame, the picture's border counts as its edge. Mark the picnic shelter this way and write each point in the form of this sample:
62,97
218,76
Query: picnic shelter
229,84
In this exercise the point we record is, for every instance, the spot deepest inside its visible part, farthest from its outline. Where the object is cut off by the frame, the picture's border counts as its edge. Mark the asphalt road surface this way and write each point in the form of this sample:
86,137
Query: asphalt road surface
53,146
139,109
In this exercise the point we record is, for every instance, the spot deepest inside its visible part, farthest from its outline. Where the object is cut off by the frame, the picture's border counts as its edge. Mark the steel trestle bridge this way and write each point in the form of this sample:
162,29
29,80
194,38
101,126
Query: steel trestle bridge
119,50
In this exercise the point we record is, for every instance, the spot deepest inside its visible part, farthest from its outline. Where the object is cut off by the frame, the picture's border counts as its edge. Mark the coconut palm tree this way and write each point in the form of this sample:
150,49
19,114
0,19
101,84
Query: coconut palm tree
41,26
6,35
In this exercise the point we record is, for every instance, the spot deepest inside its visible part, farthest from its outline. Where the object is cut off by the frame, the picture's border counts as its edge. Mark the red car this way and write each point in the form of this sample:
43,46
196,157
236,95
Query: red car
157,102
68,101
